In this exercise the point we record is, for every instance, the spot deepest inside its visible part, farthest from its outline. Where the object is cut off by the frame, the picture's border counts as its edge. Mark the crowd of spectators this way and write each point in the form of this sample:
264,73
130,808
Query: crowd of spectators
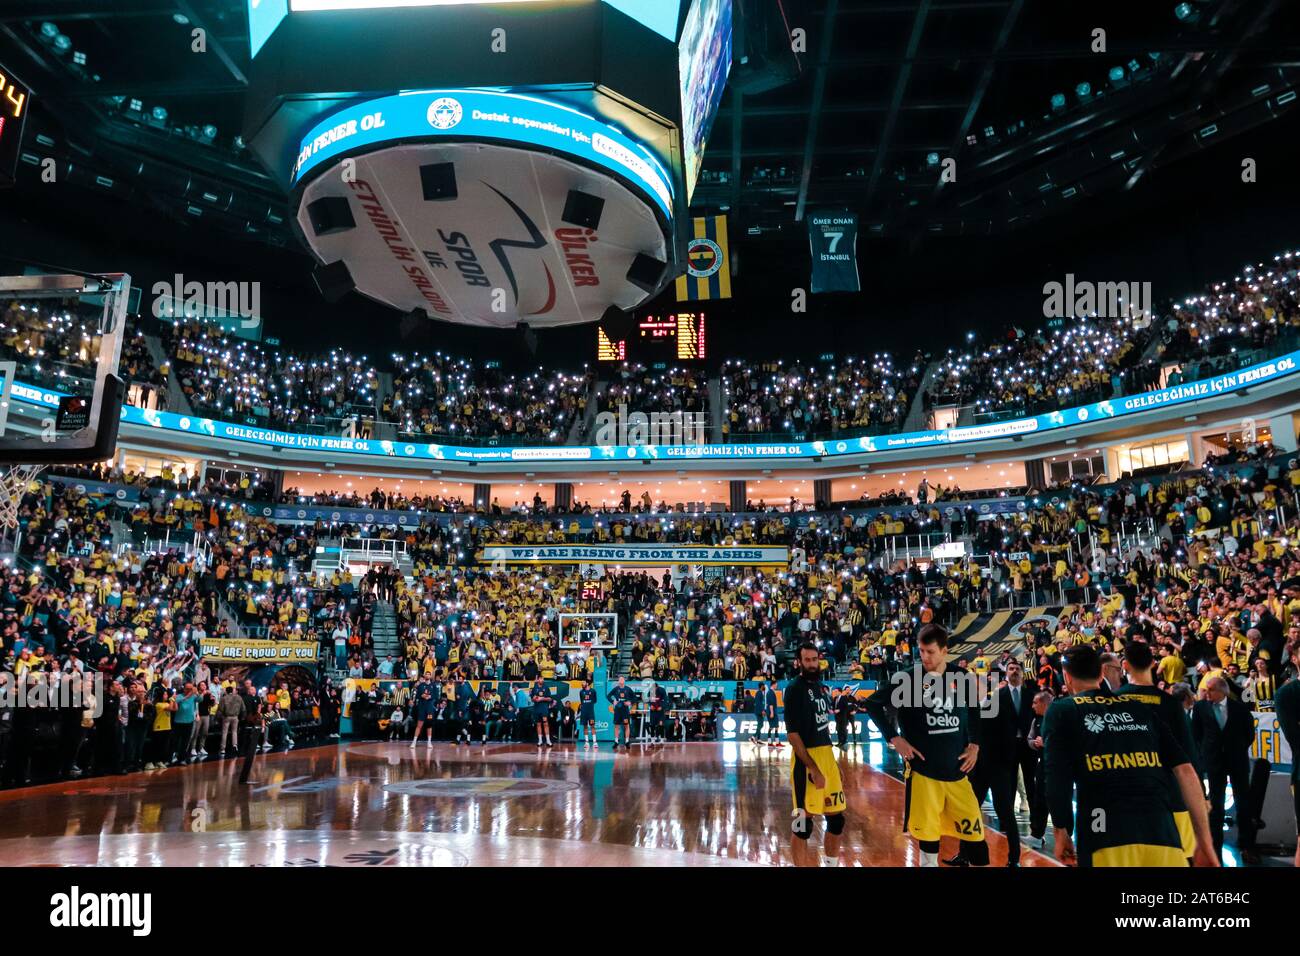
1031,372
845,396
1201,565
1254,310
1094,358
1082,547
110,637
230,378
439,396
647,390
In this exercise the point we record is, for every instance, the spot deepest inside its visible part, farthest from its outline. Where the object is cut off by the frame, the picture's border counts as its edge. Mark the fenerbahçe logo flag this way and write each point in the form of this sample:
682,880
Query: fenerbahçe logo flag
708,269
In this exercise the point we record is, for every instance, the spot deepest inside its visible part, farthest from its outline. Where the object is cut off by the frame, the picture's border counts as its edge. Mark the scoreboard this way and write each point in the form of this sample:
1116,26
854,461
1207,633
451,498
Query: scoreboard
15,103
690,335
609,350
657,337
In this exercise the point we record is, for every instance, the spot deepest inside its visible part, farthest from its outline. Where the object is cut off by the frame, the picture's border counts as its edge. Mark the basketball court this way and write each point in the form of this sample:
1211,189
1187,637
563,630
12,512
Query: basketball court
382,804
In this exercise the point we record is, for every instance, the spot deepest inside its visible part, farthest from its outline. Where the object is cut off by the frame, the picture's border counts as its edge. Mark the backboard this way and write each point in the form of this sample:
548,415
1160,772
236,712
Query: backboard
598,631
60,344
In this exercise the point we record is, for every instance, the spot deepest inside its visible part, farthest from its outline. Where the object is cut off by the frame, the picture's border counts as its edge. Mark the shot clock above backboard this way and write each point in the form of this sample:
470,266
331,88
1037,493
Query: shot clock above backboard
15,103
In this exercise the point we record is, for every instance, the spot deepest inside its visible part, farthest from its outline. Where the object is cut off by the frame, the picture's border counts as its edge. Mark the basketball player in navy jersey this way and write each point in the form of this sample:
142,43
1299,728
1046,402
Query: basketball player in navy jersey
587,712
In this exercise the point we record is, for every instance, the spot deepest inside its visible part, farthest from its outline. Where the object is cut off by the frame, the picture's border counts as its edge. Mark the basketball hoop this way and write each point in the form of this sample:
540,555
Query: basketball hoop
14,482
587,631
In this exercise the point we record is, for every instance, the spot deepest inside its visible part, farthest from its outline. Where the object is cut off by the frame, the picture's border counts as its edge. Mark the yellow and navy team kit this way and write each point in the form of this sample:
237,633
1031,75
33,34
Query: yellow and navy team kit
1118,753
1171,713
808,711
940,725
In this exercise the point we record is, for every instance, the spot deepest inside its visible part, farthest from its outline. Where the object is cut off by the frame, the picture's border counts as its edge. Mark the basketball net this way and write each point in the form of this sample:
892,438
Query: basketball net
14,480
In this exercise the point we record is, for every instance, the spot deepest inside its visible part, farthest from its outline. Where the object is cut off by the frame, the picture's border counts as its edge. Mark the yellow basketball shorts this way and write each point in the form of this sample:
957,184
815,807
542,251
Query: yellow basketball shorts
810,798
938,808
1186,835
1138,854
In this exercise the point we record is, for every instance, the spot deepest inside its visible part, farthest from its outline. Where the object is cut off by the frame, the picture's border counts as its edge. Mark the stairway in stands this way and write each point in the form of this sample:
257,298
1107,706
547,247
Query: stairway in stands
918,417
845,669
176,399
718,412
584,426
622,664
383,633
122,536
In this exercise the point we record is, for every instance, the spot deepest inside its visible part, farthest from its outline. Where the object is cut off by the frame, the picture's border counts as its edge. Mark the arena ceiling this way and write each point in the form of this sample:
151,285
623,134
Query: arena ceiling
887,90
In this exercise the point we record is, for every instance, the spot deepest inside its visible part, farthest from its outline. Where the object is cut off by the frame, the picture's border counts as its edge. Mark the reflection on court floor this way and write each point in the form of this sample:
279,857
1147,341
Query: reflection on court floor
376,804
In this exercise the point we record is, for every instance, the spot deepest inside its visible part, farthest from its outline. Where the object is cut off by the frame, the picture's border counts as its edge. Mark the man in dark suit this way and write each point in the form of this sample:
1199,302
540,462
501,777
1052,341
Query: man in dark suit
1004,752
1020,695
1038,815
253,728
1224,729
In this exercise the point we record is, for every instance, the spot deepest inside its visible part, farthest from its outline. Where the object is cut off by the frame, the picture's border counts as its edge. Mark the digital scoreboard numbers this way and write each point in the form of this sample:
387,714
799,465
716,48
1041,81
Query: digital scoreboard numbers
684,330
690,335
608,350
657,337
15,103
654,327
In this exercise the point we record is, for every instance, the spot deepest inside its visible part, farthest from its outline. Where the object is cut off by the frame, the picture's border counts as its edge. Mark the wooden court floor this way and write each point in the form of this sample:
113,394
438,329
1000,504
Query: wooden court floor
380,804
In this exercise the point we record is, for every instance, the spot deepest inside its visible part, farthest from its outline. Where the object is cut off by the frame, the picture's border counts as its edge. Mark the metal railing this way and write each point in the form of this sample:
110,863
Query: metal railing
914,545
1220,355
183,540
371,550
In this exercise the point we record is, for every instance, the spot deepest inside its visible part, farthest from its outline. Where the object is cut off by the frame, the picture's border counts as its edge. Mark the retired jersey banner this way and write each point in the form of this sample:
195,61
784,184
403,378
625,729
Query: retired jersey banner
636,555
260,652
833,239
708,265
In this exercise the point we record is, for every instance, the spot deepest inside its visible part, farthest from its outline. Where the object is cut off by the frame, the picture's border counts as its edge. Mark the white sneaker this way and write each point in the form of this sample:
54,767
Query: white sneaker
412,744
